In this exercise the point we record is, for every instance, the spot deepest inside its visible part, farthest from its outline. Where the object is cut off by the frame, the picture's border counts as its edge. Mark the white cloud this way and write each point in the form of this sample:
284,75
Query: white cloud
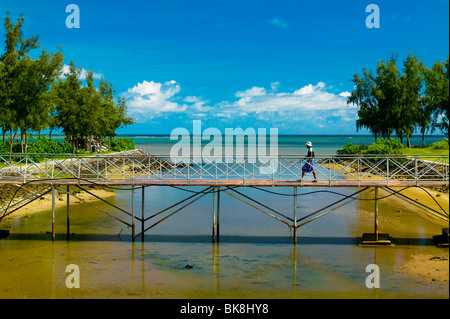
274,86
278,22
192,99
345,94
147,99
309,89
307,98
83,75
311,104
254,91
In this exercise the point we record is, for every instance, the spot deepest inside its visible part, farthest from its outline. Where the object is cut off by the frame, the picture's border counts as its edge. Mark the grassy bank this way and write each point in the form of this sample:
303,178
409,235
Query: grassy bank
394,147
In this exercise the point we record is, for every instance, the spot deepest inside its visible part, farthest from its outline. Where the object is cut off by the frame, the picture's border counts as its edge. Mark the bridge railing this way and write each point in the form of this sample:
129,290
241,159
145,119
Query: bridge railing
25,167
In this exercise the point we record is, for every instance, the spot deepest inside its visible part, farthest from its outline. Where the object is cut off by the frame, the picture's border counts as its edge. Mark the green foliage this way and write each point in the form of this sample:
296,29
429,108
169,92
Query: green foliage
351,148
25,102
122,144
84,111
437,95
381,146
4,147
402,101
48,146
441,145
35,95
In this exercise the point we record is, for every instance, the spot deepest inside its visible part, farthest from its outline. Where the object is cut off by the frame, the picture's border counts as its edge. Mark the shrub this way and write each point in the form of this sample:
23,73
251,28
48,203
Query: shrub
382,146
441,145
4,147
49,146
122,144
351,148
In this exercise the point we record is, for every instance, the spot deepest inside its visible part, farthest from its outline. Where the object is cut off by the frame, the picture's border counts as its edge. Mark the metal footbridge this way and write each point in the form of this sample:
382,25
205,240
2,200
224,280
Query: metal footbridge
58,172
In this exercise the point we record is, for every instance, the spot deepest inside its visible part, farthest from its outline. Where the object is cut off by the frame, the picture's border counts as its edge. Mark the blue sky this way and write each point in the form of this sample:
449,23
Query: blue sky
236,63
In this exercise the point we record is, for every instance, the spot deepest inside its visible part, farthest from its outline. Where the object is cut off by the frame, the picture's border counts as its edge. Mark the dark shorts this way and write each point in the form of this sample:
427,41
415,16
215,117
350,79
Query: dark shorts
308,167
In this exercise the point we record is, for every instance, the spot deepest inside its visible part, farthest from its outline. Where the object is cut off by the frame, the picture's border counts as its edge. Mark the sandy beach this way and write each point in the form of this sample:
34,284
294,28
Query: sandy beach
433,268
45,202
427,267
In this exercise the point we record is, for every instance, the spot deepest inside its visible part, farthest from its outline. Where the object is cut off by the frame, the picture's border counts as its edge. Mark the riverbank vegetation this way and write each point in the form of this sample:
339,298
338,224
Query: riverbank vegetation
392,146
46,94
47,146
402,101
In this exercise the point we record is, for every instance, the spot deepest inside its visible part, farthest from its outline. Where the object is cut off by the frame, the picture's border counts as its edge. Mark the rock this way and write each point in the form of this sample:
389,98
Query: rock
188,267
4,233
438,258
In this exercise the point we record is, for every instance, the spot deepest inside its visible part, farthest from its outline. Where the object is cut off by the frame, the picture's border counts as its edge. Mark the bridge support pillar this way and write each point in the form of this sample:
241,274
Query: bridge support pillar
132,215
143,214
68,210
53,213
376,238
216,214
295,215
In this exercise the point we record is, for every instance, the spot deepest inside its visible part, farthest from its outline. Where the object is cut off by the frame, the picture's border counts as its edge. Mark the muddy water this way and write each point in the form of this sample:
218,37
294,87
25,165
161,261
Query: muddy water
255,258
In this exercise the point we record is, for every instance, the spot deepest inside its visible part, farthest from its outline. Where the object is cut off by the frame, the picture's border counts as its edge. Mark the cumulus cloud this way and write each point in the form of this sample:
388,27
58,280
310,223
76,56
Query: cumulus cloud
345,94
311,103
254,91
307,98
83,75
147,99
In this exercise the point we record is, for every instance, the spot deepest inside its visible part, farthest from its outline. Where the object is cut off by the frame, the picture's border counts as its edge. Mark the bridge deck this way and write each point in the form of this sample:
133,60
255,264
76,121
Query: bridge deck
212,182
283,170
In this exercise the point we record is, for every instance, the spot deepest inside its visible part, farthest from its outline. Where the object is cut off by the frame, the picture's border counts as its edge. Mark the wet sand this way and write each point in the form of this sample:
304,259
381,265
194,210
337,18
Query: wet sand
424,266
45,202
433,268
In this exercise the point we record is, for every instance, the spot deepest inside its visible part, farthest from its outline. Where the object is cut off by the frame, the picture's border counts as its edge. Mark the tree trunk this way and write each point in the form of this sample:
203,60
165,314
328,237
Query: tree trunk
408,141
11,141
26,141
423,139
21,141
75,142
88,144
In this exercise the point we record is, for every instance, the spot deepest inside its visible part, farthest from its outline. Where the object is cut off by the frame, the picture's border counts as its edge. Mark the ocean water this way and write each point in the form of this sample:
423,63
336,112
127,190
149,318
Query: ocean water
255,257
287,144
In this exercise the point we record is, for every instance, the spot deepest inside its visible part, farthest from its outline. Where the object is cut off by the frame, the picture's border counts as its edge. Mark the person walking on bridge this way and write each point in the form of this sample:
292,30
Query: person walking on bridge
308,167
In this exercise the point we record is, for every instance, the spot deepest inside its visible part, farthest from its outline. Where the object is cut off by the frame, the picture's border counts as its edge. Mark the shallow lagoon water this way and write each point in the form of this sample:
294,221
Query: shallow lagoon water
254,259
